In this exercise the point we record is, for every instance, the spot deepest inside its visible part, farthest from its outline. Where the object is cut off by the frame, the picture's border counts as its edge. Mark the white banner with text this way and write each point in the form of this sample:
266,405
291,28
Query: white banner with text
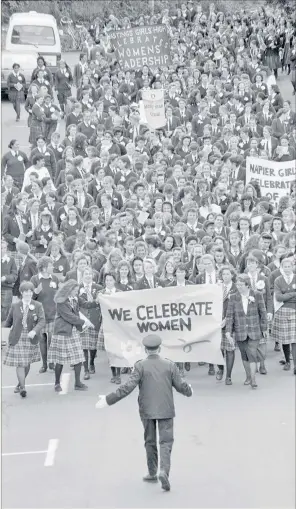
187,319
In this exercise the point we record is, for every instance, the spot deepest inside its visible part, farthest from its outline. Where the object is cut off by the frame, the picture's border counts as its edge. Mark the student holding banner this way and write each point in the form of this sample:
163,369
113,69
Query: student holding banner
90,307
246,322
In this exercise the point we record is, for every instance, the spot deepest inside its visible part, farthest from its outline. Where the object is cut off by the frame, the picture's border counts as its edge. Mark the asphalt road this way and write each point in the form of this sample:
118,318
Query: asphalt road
234,447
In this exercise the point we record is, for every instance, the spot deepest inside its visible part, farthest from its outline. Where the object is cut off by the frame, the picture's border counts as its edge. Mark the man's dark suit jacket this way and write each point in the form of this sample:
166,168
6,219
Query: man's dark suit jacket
156,378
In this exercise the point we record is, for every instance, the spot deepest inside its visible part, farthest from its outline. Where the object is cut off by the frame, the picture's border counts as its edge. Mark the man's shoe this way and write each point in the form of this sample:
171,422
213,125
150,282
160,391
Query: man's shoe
165,483
287,366
219,375
80,387
43,369
23,392
113,379
150,478
263,370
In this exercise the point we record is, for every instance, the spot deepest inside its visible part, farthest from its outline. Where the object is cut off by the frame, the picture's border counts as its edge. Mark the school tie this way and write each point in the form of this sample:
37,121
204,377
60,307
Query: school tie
107,215
244,239
210,279
25,316
225,292
88,293
253,282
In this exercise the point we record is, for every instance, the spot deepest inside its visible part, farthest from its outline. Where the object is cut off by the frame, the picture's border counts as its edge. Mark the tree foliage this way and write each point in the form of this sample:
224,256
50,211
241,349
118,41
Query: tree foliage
87,10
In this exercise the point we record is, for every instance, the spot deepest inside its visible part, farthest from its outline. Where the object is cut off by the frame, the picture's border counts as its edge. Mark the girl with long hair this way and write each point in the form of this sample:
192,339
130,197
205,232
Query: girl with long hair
66,346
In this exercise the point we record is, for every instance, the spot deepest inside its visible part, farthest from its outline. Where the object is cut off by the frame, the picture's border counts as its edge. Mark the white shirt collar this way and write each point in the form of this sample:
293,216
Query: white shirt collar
42,277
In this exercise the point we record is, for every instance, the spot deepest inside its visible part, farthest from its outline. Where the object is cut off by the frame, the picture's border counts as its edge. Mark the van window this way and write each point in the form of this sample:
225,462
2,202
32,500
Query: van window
35,35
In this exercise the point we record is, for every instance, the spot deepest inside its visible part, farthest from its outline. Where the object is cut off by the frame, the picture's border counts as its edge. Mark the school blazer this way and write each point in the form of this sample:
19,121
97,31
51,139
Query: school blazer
25,273
232,291
174,283
252,324
92,307
11,230
201,279
72,274
144,285
35,322
263,286
9,270
66,318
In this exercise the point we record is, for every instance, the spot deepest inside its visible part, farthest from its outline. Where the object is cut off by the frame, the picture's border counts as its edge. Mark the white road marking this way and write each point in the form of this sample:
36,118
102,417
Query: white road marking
65,383
51,451
29,385
23,453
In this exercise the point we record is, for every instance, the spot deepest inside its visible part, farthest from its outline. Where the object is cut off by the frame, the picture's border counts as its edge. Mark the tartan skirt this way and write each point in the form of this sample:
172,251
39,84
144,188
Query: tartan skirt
48,329
35,131
225,344
272,60
101,341
284,326
23,353
17,258
66,349
89,339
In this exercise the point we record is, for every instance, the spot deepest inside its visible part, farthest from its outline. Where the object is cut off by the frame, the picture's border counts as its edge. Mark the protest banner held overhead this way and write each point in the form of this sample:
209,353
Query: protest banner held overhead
153,104
136,47
187,319
275,178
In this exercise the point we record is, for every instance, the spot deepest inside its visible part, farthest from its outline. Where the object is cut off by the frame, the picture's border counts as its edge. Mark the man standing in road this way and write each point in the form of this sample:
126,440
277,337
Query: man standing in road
156,378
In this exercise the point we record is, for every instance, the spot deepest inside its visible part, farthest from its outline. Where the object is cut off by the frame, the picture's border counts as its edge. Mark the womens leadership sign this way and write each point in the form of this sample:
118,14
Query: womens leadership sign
188,320
136,47
274,178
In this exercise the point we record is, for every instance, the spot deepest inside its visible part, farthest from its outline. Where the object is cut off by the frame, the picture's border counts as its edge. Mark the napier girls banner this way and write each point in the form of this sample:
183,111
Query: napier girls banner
136,47
274,178
188,320
153,106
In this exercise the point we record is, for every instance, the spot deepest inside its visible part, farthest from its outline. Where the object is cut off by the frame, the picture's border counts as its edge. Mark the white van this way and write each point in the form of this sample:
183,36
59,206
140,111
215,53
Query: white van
35,31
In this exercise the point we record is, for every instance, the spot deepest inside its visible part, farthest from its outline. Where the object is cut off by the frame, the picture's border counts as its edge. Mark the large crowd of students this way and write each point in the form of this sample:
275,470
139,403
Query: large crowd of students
113,205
